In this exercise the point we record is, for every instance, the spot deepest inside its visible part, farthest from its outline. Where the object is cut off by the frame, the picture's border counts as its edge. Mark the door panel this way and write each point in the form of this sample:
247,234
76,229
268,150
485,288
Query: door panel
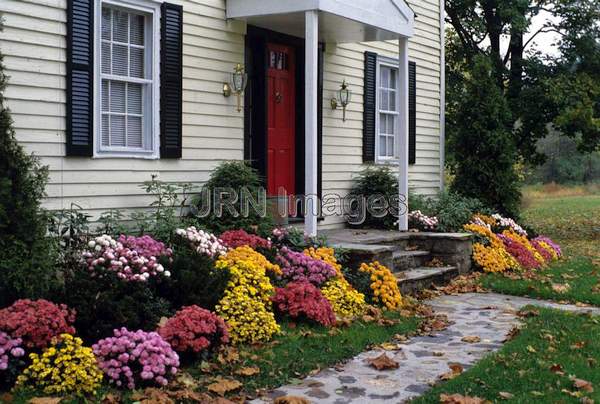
281,118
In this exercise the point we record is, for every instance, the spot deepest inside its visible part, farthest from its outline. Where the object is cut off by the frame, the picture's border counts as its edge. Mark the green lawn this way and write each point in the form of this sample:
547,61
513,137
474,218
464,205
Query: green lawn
538,366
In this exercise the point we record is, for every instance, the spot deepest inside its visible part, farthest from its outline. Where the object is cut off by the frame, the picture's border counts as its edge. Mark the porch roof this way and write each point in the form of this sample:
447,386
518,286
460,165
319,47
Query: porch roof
340,20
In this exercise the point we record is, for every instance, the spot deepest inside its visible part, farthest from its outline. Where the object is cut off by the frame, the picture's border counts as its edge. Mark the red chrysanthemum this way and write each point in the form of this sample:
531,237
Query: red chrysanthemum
303,299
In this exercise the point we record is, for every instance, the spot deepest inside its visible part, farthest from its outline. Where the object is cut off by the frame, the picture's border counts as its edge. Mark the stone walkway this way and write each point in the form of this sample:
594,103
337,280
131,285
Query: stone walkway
422,359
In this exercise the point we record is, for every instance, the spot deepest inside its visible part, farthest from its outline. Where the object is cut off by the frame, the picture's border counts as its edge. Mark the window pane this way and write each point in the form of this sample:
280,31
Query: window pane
391,124
105,130
134,98
392,104
136,66
390,146
385,77
134,131
106,22
137,29
119,62
382,123
117,97
105,98
106,59
120,26
393,78
117,130
383,100
382,146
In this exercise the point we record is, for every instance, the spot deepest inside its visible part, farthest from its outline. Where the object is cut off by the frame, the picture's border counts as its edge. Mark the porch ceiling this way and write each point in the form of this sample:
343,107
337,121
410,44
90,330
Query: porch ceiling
340,20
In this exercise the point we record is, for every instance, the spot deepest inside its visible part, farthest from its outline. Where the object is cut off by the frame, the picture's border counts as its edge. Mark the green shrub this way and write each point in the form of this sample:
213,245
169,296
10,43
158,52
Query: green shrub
234,175
377,180
104,304
454,210
361,281
194,281
26,258
485,153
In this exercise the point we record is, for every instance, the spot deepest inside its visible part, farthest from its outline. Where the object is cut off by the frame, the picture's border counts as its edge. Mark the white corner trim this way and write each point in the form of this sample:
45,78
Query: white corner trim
442,97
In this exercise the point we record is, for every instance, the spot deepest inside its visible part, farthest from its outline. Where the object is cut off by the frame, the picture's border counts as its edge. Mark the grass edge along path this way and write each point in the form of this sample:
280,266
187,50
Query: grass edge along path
554,358
575,280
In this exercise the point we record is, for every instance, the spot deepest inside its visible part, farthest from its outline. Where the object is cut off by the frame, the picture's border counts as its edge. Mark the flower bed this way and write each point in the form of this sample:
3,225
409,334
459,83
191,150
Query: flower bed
509,248
304,300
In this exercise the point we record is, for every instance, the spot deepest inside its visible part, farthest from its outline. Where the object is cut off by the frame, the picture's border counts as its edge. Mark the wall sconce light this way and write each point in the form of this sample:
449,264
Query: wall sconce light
343,97
239,81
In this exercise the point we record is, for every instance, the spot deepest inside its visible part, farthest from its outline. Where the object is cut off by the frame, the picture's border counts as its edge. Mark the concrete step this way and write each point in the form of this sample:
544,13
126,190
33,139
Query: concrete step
404,260
421,278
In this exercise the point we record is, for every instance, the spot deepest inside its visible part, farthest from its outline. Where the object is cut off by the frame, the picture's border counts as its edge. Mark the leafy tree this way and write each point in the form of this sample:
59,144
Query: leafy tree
541,92
24,250
484,150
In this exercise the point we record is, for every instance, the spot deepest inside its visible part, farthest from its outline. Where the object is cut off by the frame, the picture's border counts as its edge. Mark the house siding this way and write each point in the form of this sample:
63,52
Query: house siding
34,45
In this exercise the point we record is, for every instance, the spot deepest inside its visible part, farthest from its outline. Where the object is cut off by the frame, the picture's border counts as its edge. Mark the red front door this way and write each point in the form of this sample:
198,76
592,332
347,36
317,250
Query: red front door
281,116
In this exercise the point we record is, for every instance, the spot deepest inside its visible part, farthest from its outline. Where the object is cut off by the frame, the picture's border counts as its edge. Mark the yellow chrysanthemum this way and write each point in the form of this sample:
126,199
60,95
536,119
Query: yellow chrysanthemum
384,286
246,303
345,300
66,367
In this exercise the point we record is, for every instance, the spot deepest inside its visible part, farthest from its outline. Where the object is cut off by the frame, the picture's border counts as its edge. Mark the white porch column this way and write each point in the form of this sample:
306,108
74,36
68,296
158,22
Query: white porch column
311,63
403,132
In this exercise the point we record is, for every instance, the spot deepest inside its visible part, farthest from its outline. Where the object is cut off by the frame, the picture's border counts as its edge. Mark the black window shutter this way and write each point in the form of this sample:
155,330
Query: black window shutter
370,104
80,78
412,113
171,80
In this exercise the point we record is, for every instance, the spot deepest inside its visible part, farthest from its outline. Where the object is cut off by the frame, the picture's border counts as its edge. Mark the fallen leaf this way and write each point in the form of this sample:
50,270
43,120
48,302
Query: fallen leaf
455,370
586,400
45,400
528,313
162,322
249,371
558,369
152,396
291,400
583,385
561,288
383,362
471,339
228,355
531,349
459,399
111,398
224,386
578,345
437,353
186,380
506,395
512,333
368,319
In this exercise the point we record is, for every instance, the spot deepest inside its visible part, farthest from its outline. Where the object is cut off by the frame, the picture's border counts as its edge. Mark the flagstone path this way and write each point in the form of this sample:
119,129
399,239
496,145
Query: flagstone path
422,359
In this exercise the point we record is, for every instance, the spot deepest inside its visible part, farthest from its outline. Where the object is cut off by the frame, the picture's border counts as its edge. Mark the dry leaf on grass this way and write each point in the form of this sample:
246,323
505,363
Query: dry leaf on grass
249,371
586,400
561,288
111,398
45,400
471,339
455,370
383,362
459,399
228,355
152,396
584,385
291,400
512,334
578,345
223,386
506,395
186,380
528,313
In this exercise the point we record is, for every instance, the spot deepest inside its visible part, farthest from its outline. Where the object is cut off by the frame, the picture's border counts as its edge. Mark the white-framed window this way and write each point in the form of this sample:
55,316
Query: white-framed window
126,84
387,119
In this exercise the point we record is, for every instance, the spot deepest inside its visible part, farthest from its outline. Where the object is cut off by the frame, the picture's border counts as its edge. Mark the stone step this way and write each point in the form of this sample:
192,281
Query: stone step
421,278
404,260
359,253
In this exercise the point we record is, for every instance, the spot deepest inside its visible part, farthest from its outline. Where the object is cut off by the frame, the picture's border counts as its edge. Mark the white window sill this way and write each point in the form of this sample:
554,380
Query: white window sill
140,156
387,162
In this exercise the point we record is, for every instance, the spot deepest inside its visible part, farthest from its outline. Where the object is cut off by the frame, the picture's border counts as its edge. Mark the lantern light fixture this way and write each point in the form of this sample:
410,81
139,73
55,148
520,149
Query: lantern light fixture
239,81
343,98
